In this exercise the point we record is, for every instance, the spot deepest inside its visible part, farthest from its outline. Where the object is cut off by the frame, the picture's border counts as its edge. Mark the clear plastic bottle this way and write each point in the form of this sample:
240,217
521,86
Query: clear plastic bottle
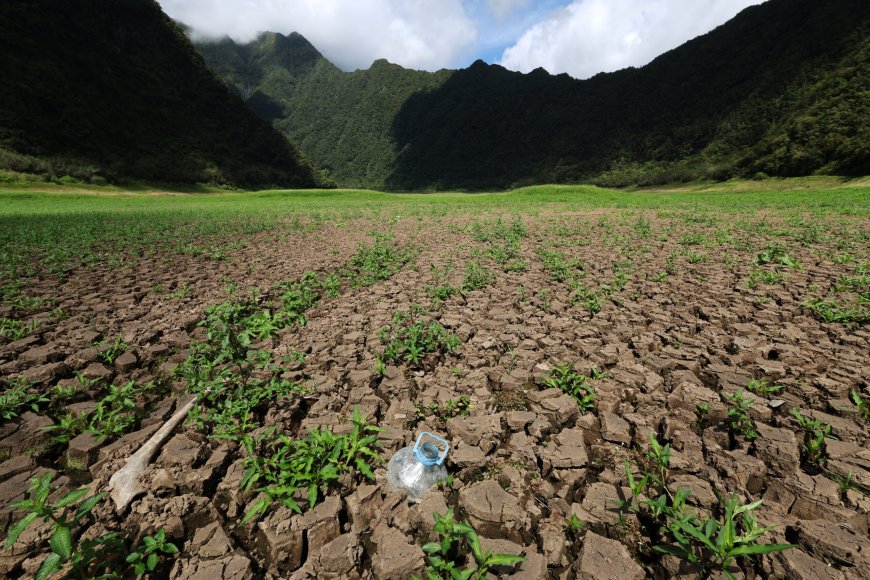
414,470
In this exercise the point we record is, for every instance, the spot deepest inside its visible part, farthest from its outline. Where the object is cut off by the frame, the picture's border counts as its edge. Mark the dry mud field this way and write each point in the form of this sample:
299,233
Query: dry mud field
548,346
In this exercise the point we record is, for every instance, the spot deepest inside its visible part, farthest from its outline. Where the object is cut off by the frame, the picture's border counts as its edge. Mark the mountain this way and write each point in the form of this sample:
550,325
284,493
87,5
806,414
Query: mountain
782,89
99,90
342,120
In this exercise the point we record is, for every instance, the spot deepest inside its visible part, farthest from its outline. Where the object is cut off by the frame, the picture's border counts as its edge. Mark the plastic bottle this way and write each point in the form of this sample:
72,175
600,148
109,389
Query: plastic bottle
414,470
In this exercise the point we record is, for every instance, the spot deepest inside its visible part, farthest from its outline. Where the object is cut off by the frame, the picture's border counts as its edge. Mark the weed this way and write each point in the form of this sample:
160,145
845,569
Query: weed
147,556
311,464
448,409
476,277
589,299
297,298
773,254
564,378
409,339
574,524
832,311
68,426
692,239
108,353
180,293
739,421
760,387
15,329
559,267
715,544
458,554
863,407
702,411
114,413
816,432
370,265
59,517
17,397
711,544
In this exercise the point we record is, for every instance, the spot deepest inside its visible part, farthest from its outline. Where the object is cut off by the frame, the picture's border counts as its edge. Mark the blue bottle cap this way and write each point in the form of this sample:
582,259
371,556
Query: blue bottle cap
430,451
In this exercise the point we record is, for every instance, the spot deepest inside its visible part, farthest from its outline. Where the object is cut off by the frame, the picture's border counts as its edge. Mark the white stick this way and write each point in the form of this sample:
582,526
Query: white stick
125,484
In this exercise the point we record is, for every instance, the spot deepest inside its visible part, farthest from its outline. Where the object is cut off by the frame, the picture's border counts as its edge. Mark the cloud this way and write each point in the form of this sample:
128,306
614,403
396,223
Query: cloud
420,34
503,9
592,36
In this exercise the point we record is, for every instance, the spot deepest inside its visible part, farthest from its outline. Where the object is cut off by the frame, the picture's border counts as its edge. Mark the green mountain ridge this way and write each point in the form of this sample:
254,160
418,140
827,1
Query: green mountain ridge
115,90
781,89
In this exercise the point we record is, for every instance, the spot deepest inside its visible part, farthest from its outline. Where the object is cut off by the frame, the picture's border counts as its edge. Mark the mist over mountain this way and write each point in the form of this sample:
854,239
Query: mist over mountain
781,89
114,90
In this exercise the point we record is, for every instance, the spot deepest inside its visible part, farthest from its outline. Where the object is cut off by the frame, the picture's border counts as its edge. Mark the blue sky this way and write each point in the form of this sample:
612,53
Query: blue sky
580,37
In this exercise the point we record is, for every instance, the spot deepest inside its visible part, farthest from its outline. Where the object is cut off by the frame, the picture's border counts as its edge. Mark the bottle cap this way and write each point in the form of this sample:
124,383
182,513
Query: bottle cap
430,449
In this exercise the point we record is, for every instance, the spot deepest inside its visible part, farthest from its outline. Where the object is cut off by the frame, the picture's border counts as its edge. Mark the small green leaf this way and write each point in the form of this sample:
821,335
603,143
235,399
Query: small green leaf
19,527
49,566
504,560
132,557
755,549
257,510
151,562
71,498
61,542
170,548
432,547
88,505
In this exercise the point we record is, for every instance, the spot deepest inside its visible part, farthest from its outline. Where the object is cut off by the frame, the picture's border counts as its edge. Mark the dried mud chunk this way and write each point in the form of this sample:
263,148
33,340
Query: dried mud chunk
338,558
483,432
40,355
28,438
615,429
395,558
493,512
778,448
566,451
364,506
801,566
604,559
45,373
15,465
321,524
833,541
180,451
126,362
561,410
743,471
432,503
232,567
279,546
517,420
82,451
467,456
210,542
599,507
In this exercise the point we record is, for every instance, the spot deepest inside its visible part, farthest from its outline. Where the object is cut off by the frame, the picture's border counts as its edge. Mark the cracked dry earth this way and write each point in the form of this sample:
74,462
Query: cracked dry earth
683,328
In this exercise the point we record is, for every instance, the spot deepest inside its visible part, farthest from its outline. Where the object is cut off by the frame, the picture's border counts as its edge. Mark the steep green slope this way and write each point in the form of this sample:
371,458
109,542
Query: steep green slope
341,120
735,101
780,89
98,90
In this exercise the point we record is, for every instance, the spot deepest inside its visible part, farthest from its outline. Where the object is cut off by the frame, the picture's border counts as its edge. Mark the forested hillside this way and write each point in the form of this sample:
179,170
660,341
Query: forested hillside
781,89
114,90
342,120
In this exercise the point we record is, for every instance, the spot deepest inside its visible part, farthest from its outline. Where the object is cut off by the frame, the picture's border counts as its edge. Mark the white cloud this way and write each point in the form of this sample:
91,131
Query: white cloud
503,9
592,36
420,34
